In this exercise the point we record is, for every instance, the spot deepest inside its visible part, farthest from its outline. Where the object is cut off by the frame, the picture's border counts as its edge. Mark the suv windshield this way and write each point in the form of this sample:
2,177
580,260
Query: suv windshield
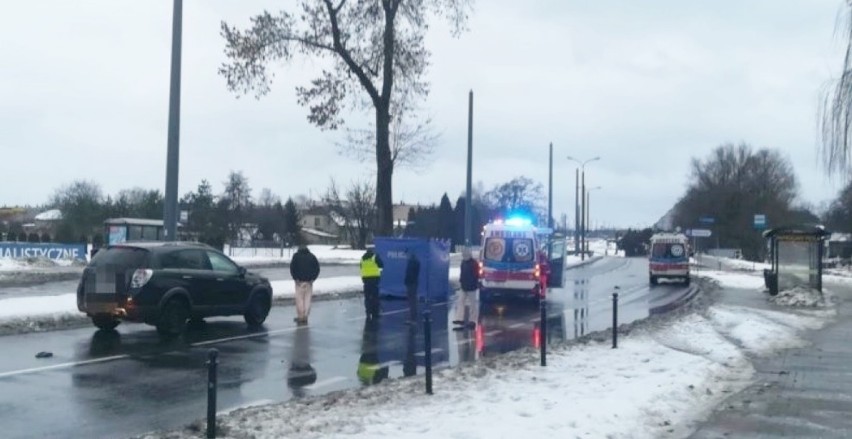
509,249
121,256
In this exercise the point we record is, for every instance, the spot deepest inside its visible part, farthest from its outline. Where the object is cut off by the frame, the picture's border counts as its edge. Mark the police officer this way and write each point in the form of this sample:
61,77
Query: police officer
371,272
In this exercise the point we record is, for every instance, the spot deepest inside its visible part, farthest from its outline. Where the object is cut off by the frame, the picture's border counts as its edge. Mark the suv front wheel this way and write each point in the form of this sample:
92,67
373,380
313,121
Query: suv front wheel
173,318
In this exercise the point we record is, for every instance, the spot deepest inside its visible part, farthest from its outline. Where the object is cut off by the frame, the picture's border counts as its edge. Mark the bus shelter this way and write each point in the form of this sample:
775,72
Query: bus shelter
795,255
118,230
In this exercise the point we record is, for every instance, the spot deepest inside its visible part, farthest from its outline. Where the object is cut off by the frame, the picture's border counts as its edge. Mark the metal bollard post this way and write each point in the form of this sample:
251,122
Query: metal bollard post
543,325
615,318
427,338
212,361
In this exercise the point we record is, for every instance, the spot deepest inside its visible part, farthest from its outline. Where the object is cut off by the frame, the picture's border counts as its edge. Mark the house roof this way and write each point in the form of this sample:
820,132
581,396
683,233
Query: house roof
49,215
319,233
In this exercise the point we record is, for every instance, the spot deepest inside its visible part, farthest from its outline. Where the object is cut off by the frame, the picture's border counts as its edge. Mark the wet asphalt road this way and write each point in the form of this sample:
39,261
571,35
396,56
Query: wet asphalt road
70,286
126,382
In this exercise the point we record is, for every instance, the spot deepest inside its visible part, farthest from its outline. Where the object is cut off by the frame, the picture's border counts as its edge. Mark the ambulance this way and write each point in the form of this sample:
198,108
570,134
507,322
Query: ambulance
668,257
511,258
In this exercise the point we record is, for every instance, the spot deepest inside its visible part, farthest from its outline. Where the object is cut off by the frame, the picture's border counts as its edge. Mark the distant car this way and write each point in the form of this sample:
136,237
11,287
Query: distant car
165,284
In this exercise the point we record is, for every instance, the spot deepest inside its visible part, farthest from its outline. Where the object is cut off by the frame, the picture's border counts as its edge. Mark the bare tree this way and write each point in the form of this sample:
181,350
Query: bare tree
732,185
836,113
412,141
236,200
520,193
355,210
374,47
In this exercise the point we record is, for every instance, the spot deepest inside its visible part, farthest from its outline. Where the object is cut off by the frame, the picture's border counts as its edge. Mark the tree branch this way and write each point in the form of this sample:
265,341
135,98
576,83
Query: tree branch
347,57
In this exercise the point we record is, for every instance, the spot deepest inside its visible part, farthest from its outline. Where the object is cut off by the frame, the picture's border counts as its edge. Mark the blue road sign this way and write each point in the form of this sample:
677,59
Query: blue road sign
707,220
760,221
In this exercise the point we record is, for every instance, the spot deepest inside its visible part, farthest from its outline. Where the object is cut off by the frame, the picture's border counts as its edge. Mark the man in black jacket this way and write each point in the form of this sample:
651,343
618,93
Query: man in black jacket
305,269
467,296
412,279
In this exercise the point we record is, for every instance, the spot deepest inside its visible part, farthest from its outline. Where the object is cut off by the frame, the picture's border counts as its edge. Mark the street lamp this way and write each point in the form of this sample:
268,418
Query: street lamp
588,209
580,197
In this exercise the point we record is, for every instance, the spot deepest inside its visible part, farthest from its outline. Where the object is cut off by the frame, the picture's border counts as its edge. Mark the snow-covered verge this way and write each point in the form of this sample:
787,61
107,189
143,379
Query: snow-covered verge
326,254
42,313
804,297
662,380
733,279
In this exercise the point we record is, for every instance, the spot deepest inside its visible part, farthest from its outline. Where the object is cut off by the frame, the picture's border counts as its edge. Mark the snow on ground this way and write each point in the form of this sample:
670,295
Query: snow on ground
803,296
659,382
326,254
30,264
729,279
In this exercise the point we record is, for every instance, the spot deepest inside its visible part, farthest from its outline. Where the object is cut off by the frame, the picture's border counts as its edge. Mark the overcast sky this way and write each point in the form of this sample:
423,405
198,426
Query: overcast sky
645,85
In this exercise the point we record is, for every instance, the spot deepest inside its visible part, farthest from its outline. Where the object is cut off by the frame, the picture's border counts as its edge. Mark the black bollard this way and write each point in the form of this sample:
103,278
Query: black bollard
212,361
615,318
543,325
427,338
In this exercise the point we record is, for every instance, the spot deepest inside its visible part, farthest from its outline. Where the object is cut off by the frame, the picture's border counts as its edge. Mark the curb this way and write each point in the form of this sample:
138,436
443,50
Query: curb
584,263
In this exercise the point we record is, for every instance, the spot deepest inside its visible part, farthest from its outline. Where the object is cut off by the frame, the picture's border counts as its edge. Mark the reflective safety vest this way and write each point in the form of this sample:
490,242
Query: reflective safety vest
369,267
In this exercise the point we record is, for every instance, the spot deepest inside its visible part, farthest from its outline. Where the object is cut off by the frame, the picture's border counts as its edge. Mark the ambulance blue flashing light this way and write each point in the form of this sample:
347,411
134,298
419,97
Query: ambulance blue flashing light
518,221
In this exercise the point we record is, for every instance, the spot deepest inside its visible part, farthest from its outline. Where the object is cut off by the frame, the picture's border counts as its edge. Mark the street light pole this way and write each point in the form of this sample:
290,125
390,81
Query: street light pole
582,216
576,210
588,209
550,206
171,202
468,209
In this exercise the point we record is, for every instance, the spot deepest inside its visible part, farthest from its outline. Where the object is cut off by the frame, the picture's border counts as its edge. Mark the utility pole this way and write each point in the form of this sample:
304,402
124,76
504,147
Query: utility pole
576,210
468,208
583,216
171,199
550,207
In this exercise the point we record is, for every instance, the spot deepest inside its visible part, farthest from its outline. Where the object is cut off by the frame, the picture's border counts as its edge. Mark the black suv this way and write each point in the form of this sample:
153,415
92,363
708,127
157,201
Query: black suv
167,283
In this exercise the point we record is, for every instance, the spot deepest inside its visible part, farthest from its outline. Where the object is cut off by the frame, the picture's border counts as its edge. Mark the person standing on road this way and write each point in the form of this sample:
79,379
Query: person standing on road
371,272
412,279
305,269
467,295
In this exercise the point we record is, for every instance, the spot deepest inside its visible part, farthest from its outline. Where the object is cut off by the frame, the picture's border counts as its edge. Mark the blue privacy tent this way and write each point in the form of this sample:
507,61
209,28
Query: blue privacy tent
434,256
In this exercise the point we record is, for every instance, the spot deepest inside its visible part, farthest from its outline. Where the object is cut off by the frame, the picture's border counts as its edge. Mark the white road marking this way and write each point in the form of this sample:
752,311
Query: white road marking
493,333
434,351
63,365
122,357
327,382
517,325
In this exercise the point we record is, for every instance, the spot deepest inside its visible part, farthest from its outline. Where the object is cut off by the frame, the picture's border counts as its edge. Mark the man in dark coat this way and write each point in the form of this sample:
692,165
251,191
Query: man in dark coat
467,296
305,269
412,279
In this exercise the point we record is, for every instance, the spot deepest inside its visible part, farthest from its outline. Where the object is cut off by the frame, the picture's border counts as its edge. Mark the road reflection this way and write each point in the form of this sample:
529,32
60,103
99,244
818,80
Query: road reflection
300,373
370,370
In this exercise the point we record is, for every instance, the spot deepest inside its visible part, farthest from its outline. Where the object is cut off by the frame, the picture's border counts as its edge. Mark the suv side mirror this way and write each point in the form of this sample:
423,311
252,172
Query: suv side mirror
242,271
